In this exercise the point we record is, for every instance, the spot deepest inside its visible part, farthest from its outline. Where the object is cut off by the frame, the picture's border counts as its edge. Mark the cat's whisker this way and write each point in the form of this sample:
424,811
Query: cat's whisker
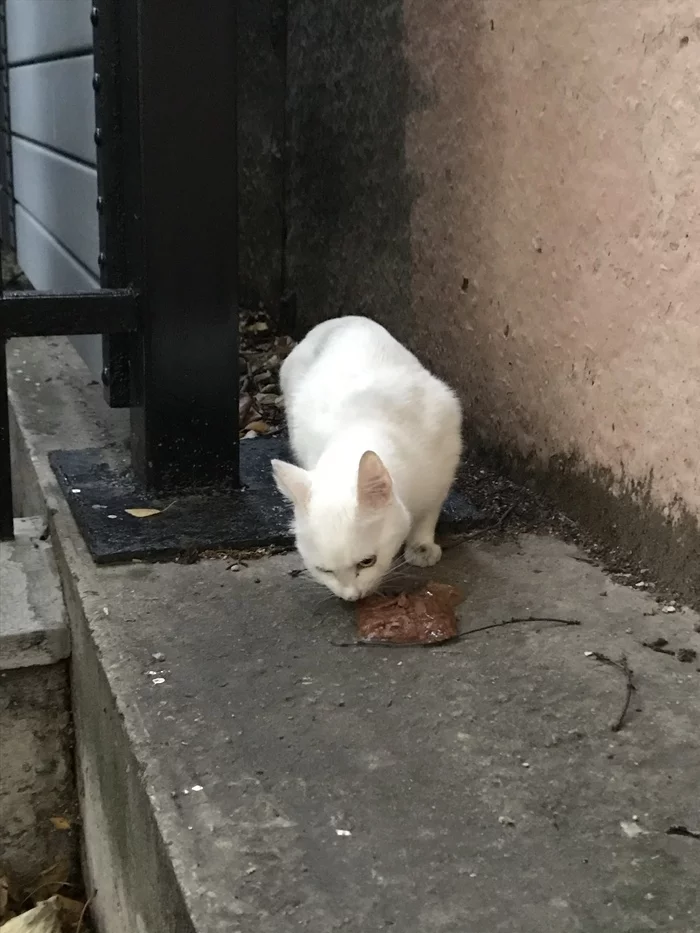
401,562
399,572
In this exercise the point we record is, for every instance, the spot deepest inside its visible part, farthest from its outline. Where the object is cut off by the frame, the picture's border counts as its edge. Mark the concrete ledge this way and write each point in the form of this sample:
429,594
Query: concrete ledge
33,626
242,773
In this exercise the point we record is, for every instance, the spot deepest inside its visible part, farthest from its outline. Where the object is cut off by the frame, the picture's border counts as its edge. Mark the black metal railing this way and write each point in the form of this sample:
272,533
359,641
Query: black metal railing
165,92
43,314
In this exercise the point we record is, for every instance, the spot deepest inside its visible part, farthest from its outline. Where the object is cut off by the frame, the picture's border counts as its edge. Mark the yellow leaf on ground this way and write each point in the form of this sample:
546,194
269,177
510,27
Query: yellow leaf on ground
260,427
60,822
143,513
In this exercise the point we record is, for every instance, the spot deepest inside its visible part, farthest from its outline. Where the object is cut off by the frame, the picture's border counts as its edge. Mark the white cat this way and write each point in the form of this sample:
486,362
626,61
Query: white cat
377,439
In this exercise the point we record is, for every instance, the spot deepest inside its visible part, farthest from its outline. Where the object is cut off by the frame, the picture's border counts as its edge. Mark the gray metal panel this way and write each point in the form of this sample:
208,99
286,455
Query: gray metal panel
47,265
53,103
61,195
43,28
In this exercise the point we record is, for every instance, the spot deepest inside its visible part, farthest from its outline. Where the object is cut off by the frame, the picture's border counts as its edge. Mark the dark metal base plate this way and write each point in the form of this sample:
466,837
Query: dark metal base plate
255,516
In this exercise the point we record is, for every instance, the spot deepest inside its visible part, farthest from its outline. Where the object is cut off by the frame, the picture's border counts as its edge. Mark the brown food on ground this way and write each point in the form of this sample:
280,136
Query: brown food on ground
424,617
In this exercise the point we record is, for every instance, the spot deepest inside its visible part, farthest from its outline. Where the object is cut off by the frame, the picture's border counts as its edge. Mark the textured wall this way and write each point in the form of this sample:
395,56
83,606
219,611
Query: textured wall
349,191
514,188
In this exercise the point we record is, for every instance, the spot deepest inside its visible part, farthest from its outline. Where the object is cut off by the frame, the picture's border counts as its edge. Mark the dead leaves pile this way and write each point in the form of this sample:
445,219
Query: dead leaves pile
260,406
44,905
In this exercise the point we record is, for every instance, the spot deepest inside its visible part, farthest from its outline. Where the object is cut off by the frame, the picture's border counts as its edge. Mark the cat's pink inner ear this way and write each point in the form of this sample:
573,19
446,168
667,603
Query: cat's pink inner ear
293,482
374,484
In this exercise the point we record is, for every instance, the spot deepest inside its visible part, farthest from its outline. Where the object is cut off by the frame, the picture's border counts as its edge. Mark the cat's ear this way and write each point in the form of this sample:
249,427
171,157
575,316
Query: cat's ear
293,482
374,486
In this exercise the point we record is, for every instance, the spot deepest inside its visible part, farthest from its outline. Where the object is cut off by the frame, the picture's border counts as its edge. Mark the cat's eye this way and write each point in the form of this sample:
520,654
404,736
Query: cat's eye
367,562
323,570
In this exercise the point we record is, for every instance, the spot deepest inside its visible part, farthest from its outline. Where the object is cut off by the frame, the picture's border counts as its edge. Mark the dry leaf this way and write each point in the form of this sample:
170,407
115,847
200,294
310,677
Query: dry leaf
244,405
60,822
51,880
44,918
143,513
71,911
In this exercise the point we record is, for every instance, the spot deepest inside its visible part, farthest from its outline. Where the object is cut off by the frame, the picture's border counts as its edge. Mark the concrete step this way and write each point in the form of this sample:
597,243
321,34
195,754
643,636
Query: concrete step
241,772
300,785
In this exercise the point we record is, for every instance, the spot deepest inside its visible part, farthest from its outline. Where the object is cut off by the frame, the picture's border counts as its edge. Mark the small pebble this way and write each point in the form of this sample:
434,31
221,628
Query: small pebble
158,656
159,680
235,568
668,609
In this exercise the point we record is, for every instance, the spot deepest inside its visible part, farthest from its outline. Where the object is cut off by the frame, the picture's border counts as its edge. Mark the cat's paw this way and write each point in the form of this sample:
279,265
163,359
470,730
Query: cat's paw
423,555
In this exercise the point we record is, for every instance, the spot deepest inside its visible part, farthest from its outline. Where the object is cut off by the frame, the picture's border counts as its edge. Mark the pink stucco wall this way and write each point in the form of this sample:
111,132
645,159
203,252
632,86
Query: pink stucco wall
556,234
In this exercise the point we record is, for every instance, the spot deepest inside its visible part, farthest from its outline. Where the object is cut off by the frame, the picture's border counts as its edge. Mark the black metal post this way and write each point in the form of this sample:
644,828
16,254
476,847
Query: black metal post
6,513
7,204
185,425
115,85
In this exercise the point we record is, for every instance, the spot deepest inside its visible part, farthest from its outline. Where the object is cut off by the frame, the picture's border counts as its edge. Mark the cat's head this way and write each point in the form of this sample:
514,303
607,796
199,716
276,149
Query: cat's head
347,533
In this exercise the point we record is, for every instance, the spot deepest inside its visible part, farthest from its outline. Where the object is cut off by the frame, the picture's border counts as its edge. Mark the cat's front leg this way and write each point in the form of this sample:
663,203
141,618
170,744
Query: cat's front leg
421,549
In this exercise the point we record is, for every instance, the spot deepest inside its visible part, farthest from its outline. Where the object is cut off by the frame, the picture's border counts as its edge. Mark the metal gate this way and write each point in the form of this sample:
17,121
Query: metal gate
165,90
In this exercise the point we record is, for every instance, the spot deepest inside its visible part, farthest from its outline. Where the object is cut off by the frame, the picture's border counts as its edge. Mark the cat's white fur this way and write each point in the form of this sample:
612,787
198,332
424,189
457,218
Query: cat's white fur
377,439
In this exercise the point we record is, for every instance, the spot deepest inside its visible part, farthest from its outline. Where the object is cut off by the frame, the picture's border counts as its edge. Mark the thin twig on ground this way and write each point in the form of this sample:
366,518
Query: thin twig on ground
659,645
472,631
682,831
496,526
84,911
621,665
504,518
516,619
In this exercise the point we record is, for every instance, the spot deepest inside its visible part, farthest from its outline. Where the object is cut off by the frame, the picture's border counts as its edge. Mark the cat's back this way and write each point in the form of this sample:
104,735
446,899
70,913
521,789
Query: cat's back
346,352
351,369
